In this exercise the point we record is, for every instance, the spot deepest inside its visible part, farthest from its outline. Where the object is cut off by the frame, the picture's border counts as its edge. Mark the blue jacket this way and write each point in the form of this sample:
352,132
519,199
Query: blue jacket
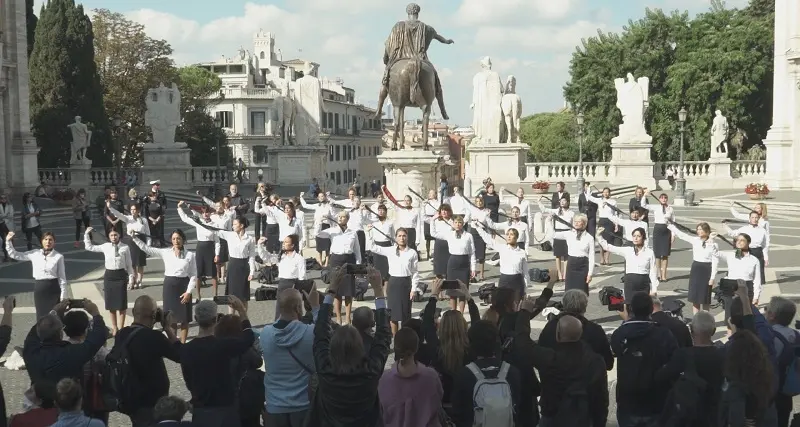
286,380
76,419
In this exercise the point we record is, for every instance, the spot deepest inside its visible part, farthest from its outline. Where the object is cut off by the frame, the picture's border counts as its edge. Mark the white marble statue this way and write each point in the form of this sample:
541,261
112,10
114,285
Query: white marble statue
310,107
719,136
487,92
287,111
632,102
81,138
163,114
511,105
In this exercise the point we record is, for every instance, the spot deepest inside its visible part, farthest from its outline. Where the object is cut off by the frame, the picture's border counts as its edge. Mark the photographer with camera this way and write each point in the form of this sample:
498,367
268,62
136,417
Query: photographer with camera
146,349
679,330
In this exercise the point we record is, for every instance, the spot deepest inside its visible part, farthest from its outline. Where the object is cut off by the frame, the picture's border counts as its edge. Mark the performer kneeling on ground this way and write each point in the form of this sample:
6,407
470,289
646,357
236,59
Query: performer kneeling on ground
461,263
580,248
207,249
403,277
180,278
560,250
119,273
291,264
640,264
49,274
704,265
513,261
345,249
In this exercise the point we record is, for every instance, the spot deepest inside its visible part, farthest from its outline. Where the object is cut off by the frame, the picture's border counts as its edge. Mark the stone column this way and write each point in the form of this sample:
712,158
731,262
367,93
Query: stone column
415,169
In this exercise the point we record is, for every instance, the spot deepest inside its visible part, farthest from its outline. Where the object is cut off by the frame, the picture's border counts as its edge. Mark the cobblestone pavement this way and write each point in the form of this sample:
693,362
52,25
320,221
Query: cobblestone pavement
85,271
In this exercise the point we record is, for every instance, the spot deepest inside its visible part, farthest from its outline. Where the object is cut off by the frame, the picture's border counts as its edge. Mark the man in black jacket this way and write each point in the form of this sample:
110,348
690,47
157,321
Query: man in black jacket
555,200
147,351
679,329
48,358
169,412
5,338
575,302
642,347
238,202
588,208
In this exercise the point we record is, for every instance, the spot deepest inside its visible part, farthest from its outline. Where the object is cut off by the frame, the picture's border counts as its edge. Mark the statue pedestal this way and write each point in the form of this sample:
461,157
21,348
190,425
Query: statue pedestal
168,163
25,167
415,169
80,175
631,163
504,163
298,164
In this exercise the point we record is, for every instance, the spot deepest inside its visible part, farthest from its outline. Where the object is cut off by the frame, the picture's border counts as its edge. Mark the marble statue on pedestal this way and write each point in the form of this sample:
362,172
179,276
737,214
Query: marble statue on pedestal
309,105
632,96
81,138
511,105
287,111
163,114
487,93
719,136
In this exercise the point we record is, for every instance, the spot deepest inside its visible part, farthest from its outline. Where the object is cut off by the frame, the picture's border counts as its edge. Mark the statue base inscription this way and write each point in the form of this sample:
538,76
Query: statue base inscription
168,163
416,169
631,163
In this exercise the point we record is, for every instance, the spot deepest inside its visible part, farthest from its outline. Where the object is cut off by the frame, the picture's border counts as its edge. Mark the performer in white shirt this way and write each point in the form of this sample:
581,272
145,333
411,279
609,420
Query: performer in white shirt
242,262
208,246
441,255
460,205
408,218
663,238
520,203
640,264
758,243
49,274
480,213
135,222
287,220
461,265
513,260
742,265
322,211
119,273
359,218
429,210
704,264
403,277
379,234
580,248
180,278
222,218
272,229
344,204
291,264
759,208
345,249
560,248
515,221
604,214
380,199
628,226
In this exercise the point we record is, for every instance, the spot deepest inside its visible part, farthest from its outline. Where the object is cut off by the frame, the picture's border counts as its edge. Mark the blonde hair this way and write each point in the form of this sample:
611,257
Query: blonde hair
763,209
453,341
581,218
491,315
132,193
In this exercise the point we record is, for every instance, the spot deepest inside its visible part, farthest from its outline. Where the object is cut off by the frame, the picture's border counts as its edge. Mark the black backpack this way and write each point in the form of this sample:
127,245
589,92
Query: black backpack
119,376
636,367
683,402
574,409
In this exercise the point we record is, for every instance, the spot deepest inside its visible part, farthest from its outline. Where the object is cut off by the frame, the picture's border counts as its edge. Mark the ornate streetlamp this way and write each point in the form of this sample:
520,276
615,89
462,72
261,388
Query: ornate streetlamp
680,183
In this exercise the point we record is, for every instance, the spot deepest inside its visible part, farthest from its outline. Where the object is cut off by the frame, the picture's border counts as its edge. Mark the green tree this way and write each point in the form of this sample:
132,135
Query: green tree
64,84
551,136
198,130
30,21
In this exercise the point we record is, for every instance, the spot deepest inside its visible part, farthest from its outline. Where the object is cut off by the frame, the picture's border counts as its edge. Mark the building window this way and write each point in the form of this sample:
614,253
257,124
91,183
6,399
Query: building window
338,153
258,123
355,125
378,151
338,178
354,175
333,176
330,153
336,121
225,118
282,73
236,69
260,155
349,152
330,120
261,55
324,121
347,176
359,151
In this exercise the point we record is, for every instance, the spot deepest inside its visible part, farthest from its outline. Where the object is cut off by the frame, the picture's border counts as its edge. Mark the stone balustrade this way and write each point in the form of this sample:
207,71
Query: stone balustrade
567,172
54,177
98,177
749,168
247,93
210,175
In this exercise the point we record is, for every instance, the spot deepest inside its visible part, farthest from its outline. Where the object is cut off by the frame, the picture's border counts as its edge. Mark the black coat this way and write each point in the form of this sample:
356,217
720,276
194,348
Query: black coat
5,339
555,200
593,335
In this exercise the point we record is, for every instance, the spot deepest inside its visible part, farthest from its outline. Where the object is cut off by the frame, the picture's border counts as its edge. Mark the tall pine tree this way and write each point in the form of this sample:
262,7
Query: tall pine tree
64,84
31,21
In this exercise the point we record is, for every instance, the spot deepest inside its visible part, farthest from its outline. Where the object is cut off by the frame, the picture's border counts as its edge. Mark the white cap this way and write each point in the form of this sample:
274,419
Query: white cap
156,182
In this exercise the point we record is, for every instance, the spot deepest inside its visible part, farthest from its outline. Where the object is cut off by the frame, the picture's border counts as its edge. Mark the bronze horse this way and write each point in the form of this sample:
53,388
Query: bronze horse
412,83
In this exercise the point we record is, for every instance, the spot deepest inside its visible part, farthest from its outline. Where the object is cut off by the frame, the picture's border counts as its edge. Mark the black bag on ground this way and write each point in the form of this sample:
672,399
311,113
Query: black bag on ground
485,292
312,264
325,276
539,275
546,246
267,275
266,293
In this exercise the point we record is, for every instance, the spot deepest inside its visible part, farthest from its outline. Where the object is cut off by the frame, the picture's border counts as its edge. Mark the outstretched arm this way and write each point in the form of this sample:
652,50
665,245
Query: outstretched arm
439,38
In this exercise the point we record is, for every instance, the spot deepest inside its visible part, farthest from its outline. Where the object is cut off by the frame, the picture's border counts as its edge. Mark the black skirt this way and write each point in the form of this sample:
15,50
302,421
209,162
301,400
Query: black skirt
46,294
662,241
728,299
380,262
204,259
362,242
223,251
441,256
577,271
591,225
115,292
608,234
480,246
699,276
398,298
348,286
138,256
412,238
171,293
560,249
635,283
513,281
426,229
273,233
323,243
237,283
458,268
759,254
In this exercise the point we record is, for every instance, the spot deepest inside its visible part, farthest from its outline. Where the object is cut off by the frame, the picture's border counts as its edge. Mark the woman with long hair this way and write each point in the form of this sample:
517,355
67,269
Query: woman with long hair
663,238
758,243
242,262
208,247
461,262
30,220
480,214
379,235
286,218
80,211
403,277
640,264
580,250
431,206
513,261
322,214
260,220
291,264
605,213
704,265
180,278
408,217
345,249
136,228
410,393
742,265
49,273
491,200
560,249
119,272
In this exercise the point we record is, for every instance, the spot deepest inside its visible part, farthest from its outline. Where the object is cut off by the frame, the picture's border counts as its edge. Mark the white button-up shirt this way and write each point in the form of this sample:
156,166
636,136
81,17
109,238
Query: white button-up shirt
604,205
43,267
286,226
343,242
182,265
746,268
521,227
513,260
523,206
203,234
661,214
406,264
461,206
582,247
564,214
643,262
224,220
132,225
463,245
702,250
33,221
406,218
358,219
759,238
379,231
290,266
322,213
241,247
746,217
430,207
629,226
116,257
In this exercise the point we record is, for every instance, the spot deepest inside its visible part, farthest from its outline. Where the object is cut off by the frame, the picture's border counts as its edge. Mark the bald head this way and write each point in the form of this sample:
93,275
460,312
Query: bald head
290,303
144,307
569,329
